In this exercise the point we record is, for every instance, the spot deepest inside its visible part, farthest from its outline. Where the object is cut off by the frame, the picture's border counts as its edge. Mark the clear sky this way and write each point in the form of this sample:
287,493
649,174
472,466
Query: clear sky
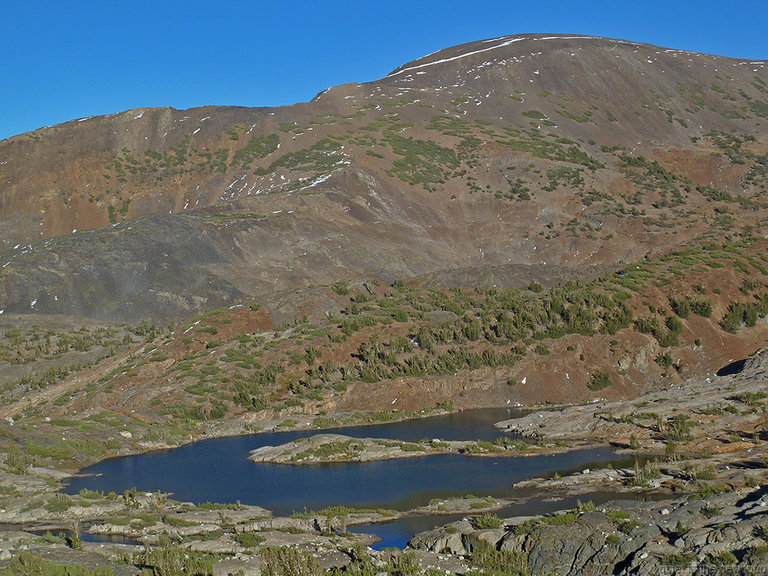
61,60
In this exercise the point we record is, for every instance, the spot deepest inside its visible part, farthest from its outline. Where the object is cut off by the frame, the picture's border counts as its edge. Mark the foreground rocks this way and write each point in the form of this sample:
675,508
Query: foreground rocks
718,527
679,536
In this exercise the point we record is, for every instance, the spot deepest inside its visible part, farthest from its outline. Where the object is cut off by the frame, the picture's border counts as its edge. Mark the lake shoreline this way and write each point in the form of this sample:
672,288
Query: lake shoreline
703,453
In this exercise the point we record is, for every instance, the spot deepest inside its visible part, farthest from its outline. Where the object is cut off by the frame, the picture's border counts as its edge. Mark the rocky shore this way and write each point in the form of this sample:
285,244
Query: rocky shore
700,450
679,536
720,417
720,519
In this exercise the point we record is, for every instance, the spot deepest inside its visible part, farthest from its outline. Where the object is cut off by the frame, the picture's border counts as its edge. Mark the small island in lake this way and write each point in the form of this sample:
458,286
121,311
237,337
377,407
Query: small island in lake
324,448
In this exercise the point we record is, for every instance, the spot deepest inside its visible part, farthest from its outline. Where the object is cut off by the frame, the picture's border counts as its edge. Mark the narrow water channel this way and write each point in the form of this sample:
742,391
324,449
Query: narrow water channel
397,533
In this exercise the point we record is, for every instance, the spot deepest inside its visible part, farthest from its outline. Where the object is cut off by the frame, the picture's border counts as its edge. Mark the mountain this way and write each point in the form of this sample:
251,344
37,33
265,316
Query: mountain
497,162
508,223
524,219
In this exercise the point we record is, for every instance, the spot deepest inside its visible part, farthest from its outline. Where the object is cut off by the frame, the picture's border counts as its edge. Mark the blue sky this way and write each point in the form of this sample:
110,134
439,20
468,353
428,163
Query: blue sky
65,60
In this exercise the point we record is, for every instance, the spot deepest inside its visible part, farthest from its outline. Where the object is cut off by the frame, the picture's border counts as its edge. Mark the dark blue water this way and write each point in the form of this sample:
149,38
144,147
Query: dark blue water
218,470
87,536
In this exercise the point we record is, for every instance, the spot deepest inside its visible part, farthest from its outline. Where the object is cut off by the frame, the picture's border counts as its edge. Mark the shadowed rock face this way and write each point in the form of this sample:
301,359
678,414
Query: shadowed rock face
158,263
496,162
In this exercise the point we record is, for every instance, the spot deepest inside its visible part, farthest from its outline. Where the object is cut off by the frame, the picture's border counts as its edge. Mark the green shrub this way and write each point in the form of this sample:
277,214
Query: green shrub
258,147
618,516
486,521
400,315
664,359
58,451
739,314
498,562
710,511
29,565
562,519
177,522
59,503
249,539
92,494
725,558
51,538
17,461
678,428
340,288
169,559
600,381
674,325
681,307
285,561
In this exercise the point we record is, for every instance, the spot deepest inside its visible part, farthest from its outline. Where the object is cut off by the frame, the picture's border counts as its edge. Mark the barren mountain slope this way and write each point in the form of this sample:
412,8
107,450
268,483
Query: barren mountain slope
498,161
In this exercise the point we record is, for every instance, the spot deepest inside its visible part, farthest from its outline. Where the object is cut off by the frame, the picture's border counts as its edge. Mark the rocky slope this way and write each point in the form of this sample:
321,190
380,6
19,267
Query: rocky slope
497,161
276,244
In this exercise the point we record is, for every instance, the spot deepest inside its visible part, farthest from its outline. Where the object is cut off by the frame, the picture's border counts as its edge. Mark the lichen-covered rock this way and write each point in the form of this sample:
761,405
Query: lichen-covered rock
447,539
623,538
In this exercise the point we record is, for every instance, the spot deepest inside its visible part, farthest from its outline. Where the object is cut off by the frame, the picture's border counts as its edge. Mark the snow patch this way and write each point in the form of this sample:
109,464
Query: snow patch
444,60
317,181
190,328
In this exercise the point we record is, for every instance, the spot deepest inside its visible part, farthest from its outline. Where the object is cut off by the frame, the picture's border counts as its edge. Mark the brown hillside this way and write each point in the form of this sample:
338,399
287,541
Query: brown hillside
500,160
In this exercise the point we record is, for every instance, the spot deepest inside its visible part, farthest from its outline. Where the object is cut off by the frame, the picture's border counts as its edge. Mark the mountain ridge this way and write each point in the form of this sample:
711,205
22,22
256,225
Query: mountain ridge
499,155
